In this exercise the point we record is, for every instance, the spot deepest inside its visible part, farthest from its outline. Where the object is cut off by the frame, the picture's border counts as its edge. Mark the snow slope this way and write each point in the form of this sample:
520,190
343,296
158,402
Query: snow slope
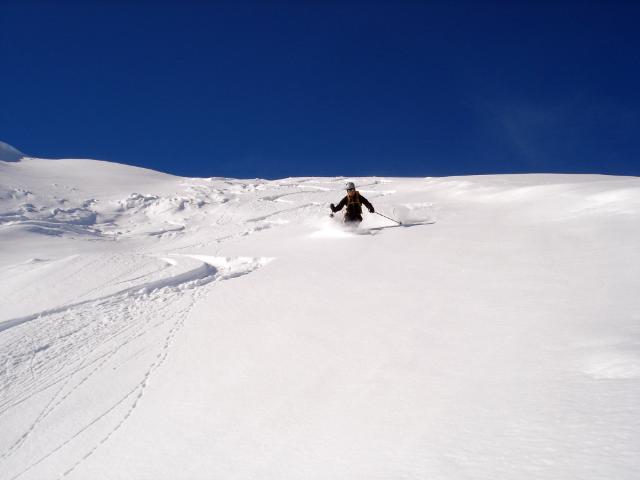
9,153
157,327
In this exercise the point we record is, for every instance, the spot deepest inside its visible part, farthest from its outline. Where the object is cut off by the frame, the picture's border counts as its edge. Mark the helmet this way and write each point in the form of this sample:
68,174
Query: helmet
350,186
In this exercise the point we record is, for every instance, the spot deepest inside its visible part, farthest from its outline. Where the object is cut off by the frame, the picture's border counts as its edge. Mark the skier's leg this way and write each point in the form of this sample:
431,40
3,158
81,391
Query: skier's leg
352,220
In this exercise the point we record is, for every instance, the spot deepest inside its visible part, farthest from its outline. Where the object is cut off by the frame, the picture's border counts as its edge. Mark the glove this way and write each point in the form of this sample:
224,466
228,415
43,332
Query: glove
371,210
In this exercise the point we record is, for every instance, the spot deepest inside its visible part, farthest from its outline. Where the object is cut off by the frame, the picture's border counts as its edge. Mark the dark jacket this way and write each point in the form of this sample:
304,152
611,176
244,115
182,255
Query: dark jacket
354,207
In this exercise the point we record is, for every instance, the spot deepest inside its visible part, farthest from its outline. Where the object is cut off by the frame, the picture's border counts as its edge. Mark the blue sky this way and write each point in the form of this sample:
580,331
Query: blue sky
325,88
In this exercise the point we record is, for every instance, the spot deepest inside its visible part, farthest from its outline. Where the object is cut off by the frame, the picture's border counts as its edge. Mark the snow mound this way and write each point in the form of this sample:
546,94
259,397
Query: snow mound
9,153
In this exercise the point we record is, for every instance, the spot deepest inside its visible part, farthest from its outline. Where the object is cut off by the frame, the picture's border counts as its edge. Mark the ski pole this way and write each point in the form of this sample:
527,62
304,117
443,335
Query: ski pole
389,218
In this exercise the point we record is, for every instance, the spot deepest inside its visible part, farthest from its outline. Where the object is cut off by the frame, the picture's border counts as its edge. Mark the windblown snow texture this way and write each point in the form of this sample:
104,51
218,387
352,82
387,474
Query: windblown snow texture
157,327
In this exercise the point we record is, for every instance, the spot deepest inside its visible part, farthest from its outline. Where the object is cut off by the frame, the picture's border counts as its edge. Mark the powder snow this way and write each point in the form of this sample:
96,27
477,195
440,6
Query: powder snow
159,327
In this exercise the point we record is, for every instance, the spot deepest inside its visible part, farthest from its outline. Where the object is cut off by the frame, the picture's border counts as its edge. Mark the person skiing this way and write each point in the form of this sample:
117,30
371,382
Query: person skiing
353,201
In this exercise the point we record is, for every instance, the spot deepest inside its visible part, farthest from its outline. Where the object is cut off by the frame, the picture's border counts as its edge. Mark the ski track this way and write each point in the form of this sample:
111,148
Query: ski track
63,350
279,212
57,356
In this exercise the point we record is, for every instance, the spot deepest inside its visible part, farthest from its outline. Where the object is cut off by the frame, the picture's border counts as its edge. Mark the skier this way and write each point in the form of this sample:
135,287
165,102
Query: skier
353,202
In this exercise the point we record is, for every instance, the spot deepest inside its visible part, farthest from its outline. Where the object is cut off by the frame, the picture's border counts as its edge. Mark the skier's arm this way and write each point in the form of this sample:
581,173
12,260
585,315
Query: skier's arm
340,206
367,204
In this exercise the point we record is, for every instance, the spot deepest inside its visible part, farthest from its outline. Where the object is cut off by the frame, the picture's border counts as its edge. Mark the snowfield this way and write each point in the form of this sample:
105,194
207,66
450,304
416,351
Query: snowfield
159,327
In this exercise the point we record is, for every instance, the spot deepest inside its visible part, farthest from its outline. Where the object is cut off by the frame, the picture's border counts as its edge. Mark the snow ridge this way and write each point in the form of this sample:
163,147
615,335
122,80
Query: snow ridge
9,153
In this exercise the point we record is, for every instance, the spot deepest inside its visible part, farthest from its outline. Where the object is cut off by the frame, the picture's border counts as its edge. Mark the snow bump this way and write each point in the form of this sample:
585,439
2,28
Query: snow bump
9,153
